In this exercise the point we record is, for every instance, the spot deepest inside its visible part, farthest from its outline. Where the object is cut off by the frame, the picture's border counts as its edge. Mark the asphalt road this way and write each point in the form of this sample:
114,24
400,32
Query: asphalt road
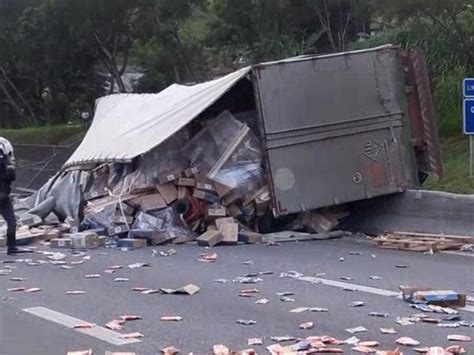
209,317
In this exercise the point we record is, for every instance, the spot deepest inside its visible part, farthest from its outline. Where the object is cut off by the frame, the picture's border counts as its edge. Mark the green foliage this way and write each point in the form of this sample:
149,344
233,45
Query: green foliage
448,62
456,168
51,134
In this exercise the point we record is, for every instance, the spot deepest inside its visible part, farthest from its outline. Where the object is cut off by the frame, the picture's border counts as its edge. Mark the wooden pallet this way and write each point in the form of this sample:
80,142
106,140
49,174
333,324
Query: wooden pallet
419,244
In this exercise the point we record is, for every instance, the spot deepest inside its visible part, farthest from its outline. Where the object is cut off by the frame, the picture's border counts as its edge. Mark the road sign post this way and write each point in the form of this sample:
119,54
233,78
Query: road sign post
468,118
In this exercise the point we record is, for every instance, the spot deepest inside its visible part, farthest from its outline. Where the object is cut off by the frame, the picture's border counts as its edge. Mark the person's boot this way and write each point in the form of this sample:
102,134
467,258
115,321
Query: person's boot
15,250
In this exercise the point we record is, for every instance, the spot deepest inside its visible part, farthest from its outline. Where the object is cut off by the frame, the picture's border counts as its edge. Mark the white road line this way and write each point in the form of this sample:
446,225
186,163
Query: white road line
361,288
101,333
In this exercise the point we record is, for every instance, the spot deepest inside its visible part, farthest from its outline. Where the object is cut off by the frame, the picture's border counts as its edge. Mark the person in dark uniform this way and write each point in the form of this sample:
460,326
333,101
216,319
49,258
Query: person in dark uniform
7,176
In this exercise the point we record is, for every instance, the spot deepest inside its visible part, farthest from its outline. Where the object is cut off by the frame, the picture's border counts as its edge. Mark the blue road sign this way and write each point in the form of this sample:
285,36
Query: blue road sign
468,87
468,113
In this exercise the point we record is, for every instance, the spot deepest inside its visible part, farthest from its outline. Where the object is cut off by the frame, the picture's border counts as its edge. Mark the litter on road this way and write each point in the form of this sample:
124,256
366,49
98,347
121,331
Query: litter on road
246,321
185,290
357,330
407,341
171,319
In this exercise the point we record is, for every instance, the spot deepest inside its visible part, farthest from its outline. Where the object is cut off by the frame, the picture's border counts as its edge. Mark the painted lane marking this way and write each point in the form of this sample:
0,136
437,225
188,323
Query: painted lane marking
101,333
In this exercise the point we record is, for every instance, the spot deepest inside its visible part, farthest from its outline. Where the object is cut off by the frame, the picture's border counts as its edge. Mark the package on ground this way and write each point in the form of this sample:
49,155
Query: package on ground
118,229
445,298
169,192
86,240
61,243
131,243
210,238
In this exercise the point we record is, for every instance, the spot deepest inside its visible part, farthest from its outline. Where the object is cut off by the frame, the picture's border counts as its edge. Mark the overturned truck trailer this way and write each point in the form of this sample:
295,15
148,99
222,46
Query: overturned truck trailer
331,129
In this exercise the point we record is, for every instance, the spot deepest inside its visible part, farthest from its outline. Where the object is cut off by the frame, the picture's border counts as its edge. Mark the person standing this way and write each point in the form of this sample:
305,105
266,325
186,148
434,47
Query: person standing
7,176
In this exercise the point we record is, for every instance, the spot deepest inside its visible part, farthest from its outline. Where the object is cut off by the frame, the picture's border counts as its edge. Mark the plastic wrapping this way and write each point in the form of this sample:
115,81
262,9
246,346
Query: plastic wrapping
100,217
166,157
67,189
172,224
227,151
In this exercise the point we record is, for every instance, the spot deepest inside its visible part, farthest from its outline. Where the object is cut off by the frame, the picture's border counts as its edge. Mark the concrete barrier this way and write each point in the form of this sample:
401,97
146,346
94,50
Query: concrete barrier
415,211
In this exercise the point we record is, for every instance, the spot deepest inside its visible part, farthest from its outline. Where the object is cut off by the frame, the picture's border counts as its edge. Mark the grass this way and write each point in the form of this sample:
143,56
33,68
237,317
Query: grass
456,168
42,135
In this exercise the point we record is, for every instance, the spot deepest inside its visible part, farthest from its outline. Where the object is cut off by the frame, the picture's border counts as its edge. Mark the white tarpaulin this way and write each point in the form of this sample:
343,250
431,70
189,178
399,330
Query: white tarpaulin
128,125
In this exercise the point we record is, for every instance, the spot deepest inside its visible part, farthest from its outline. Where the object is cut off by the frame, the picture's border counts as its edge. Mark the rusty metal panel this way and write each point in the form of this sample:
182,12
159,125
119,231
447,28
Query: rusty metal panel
421,113
335,129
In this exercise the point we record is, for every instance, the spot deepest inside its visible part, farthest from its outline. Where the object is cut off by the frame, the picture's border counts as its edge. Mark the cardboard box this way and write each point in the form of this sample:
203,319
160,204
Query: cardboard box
129,210
206,187
184,239
210,238
222,189
444,298
232,197
215,212
230,233
122,219
262,192
168,192
131,243
186,182
147,221
168,176
152,203
116,230
189,172
183,192
61,243
206,196
221,221
250,237
234,210
85,240
92,195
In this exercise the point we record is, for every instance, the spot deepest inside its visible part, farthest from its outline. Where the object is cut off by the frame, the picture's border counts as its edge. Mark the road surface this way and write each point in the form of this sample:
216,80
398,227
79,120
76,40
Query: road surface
40,324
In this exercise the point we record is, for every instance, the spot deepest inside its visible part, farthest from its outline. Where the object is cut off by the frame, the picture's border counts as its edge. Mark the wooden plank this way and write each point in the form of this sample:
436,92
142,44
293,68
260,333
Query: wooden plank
465,239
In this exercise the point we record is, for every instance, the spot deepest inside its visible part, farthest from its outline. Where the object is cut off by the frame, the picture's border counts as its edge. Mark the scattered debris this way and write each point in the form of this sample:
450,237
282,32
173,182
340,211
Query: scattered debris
356,304
32,290
18,279
171,319
402,266
299,310
80,352
388,331
16,289
375,278
457,337
282,339
92,276
114,325
247,280
138,265
379,314
363,349
287,299
130,317
255,341
346,278
84,326
420,242
75,292
341,259
208,258
170,350
220,350
285,293
407,341
357,330
246,321
307,325
427,296
121,279
262,301
319,310
185,290
352,340
135,335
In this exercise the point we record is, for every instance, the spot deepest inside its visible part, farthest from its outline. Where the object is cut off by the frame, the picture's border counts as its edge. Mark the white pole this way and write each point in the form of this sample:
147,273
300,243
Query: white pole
471,147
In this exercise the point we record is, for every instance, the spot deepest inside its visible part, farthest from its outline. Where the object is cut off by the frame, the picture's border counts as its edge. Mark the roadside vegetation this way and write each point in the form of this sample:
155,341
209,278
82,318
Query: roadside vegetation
58,56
